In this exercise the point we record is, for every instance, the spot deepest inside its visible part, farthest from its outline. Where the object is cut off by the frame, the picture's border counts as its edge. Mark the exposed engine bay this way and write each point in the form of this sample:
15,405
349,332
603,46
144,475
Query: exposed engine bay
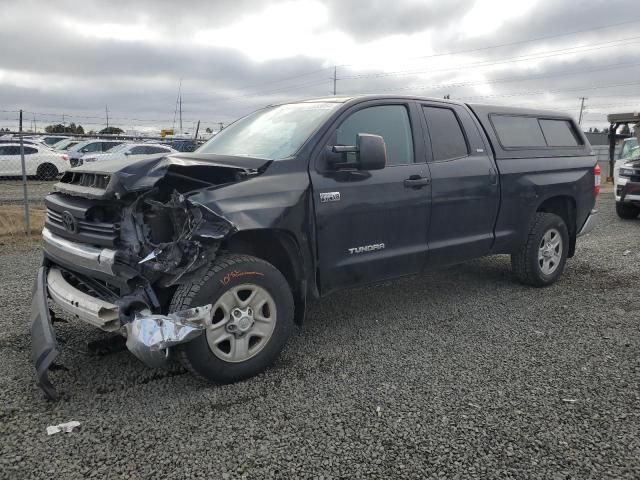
118,244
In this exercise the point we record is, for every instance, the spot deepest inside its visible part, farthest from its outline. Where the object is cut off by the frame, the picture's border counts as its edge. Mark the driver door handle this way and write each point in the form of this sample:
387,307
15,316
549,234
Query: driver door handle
416,181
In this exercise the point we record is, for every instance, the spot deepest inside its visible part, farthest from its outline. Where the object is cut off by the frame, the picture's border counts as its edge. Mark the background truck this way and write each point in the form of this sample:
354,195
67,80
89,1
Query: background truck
626,180
210,257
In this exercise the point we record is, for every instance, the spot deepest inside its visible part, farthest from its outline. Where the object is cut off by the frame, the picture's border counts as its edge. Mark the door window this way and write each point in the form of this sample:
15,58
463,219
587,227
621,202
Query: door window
30,150
391,122
92,147
447,138
139,150
10,150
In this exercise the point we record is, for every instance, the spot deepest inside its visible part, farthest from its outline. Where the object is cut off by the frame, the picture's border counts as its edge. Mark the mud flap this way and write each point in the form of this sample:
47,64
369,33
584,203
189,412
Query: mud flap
44,348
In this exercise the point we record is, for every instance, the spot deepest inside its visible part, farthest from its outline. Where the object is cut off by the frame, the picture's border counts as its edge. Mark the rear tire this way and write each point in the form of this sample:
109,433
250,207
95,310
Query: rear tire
47,171
627,211
244,291
541,259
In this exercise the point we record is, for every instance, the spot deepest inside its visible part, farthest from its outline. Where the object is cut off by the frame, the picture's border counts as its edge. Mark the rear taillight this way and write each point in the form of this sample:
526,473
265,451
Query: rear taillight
65,157
596,182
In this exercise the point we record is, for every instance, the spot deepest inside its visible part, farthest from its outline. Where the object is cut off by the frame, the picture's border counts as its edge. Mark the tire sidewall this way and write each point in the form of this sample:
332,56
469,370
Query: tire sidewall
46,172
198,352
627,211
550,222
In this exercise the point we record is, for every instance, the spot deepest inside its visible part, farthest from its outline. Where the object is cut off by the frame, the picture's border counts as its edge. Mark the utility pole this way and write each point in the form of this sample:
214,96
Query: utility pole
63,122
35,125
582,99
335,78
180,99
106,111
220,126
24,181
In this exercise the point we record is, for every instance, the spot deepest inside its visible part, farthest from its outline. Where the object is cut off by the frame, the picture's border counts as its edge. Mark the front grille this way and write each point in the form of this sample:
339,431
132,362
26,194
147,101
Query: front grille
79,220
84,179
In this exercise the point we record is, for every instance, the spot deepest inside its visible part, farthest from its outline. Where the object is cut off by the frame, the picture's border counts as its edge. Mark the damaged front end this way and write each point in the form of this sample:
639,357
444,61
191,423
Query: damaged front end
116,246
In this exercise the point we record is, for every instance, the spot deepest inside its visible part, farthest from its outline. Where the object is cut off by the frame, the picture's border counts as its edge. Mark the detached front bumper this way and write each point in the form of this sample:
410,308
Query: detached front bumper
149,336
44,347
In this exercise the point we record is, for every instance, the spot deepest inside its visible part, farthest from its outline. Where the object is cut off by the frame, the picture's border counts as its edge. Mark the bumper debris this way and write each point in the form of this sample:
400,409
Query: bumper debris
150,336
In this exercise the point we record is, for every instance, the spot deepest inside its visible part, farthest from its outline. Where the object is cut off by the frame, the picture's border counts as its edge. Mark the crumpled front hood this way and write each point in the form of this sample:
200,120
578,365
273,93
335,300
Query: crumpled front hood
633,163
126,176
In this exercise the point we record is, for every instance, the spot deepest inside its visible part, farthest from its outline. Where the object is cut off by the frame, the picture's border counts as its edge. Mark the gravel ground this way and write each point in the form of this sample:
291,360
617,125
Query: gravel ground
459,373
11,190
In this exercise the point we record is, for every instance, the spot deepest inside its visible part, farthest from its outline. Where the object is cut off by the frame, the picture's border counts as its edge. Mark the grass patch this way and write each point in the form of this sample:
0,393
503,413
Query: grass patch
12,222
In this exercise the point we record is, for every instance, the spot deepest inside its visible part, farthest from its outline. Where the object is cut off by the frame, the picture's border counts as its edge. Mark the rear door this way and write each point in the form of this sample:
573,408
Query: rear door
465,190
372,225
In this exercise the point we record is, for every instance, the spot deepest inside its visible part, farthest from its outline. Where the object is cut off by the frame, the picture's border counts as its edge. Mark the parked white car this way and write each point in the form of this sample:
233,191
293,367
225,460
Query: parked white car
131,151
40,161
49,140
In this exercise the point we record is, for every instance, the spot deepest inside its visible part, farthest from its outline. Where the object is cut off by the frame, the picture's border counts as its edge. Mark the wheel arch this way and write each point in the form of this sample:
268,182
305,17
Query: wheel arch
280,249
565,207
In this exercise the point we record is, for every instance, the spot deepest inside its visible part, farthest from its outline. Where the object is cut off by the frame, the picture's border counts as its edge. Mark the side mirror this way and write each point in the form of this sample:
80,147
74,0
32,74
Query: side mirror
370,150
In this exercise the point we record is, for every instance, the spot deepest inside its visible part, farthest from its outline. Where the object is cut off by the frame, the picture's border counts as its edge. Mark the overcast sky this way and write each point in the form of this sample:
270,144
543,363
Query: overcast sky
233,56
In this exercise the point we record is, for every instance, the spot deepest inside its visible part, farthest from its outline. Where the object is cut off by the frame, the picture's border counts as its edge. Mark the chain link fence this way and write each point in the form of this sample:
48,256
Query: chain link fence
31,164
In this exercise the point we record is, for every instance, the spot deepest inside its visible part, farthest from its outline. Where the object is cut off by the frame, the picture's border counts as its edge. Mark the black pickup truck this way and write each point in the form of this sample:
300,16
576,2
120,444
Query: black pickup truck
210,257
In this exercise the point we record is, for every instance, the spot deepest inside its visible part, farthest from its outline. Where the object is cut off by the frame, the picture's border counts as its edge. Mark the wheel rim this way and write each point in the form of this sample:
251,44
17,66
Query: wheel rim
244,318
550,251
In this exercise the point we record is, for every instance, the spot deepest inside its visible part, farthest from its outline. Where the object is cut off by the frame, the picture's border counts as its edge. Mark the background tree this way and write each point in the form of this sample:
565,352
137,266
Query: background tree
60,128
111,131
208,130
625,130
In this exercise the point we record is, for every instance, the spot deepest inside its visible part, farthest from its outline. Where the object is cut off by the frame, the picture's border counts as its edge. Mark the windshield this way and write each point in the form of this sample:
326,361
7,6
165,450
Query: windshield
272,133
78,146
62,144
630,149
119,147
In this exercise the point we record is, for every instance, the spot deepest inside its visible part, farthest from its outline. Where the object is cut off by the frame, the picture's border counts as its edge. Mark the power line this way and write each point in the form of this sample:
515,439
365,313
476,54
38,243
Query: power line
437,86
456,52
519,42
543,92
485,63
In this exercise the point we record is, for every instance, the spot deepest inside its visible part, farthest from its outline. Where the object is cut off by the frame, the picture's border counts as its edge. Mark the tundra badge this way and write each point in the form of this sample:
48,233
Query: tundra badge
366,248
329,197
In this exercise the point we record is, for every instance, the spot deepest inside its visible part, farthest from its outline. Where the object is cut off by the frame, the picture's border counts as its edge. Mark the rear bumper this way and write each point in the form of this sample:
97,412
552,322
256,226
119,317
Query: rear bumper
590,223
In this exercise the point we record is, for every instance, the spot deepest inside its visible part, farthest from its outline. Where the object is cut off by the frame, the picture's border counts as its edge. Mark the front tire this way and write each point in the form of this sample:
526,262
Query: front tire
252,318
541,259
627,211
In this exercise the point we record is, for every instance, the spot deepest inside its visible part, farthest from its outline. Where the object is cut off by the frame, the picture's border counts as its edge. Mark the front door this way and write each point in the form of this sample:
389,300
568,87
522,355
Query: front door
372,225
